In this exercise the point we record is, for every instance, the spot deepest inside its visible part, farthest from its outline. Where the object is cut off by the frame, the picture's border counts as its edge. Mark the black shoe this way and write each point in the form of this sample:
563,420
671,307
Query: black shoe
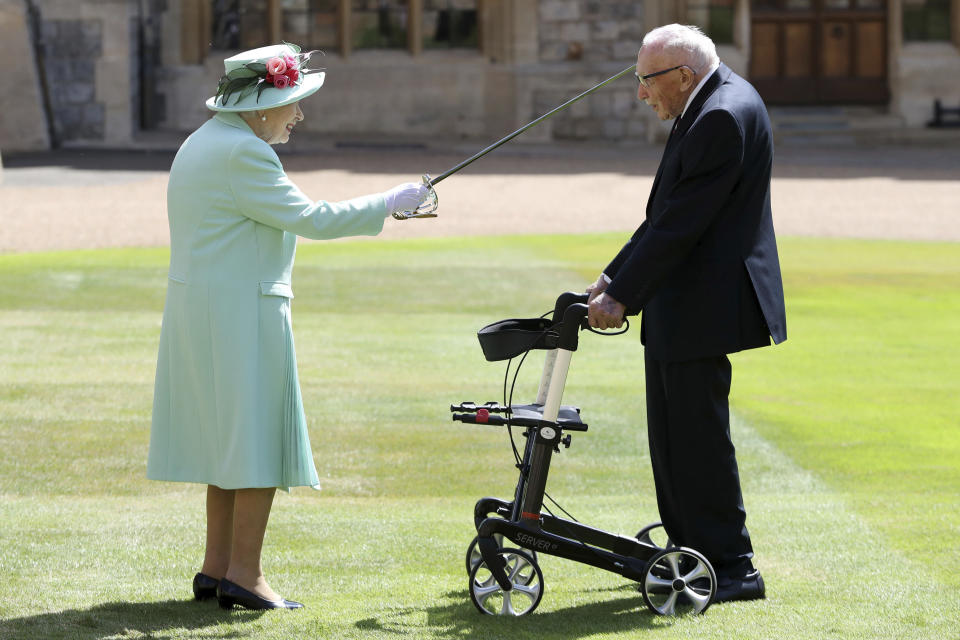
204,587
229,594
748,587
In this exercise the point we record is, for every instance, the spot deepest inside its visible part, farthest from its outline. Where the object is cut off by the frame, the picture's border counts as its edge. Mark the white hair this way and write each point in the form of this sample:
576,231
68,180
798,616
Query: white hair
687,42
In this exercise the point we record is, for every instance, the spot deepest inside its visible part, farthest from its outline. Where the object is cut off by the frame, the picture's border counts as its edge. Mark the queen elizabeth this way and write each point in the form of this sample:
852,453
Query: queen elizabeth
227,409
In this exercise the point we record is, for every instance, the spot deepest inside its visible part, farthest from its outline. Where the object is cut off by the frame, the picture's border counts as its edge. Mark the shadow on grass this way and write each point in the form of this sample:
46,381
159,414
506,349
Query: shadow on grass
142,619
460,619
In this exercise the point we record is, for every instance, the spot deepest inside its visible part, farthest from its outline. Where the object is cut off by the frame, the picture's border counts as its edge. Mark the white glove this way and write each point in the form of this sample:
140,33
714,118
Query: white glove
405,197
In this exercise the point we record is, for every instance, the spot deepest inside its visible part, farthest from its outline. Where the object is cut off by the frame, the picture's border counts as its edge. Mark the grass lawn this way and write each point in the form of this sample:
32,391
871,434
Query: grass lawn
848,440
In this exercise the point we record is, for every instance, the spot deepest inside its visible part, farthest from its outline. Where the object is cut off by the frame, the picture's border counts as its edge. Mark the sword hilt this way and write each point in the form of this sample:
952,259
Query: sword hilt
427,208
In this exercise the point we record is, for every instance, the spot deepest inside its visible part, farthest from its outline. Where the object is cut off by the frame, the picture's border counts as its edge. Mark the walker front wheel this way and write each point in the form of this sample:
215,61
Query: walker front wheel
526,582
474,557
678,580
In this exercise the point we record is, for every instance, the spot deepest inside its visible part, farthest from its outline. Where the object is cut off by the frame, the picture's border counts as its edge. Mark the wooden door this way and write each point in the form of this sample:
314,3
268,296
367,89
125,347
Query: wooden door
819,51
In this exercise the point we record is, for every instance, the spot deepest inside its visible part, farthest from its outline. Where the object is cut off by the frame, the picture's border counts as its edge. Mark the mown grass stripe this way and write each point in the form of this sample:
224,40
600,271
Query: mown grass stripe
851,502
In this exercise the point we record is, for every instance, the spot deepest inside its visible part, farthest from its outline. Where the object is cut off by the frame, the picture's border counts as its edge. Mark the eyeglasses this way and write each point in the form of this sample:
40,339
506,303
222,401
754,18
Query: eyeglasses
642,79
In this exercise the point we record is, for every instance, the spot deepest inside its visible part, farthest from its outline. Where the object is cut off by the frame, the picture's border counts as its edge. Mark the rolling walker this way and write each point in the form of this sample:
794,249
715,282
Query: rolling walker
507,580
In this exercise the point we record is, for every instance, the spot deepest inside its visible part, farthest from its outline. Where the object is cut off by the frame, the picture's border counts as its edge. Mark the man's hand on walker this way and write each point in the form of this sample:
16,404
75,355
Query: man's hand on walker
596,288
605,313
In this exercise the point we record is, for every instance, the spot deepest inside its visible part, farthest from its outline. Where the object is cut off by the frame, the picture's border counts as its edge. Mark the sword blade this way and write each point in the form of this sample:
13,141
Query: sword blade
450,172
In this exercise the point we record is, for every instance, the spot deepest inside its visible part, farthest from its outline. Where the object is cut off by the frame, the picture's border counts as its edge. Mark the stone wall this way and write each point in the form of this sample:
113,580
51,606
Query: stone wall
71,49
536,55
23,124
924,71
90,62
608,114
590,30
592,35
370,94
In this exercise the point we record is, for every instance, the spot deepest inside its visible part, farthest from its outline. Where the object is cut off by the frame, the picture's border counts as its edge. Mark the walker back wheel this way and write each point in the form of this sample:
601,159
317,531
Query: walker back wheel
526,581
656,535
678,580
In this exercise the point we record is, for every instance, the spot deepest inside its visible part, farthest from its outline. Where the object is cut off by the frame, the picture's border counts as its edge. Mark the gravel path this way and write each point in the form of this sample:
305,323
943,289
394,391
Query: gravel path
73,199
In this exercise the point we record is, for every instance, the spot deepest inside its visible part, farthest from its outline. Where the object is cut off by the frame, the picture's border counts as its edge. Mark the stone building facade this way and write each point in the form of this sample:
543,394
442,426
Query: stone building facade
72,50
77,73
109,72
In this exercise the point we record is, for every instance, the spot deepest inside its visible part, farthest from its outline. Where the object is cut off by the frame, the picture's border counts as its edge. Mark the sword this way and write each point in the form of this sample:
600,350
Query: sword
429,207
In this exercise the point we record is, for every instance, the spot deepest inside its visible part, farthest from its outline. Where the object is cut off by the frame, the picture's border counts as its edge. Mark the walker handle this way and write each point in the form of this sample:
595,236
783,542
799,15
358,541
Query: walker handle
565,300
574,319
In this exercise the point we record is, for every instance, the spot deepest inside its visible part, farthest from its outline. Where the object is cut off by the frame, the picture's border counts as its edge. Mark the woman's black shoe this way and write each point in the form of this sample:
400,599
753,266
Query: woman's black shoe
230,593
204,587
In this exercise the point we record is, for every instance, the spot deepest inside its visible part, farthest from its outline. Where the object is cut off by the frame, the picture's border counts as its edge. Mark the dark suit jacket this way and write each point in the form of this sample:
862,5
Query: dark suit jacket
703,266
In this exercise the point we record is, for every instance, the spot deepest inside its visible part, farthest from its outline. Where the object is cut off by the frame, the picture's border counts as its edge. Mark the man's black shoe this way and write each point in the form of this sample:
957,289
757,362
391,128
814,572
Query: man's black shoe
749,587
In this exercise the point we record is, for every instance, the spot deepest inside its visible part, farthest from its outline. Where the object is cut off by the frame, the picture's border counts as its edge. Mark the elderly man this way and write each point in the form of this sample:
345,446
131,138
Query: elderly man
704,270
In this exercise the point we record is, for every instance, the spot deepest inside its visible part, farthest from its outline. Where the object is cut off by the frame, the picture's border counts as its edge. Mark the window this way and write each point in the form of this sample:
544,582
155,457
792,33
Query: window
715,17
225,32
926,20
378,24
331,25
238,24
312,24
450,24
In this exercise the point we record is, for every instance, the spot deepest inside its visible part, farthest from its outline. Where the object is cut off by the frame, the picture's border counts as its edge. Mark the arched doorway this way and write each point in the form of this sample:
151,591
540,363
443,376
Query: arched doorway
819,51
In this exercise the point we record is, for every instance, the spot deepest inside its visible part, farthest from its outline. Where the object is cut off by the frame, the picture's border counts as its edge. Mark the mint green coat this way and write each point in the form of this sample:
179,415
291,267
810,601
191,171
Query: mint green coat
227,409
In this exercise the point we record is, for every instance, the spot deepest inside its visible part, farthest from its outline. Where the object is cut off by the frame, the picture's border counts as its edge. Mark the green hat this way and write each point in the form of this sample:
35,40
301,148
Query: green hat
265,78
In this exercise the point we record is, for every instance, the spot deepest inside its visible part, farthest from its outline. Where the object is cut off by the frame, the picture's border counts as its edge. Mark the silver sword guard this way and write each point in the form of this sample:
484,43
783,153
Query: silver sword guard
427,209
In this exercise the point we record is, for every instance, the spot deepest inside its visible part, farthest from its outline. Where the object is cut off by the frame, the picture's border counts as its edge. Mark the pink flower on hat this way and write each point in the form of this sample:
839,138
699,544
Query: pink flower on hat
276,66
282,71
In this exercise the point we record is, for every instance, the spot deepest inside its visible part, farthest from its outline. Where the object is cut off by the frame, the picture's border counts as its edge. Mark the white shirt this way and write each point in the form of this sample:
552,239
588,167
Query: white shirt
696,89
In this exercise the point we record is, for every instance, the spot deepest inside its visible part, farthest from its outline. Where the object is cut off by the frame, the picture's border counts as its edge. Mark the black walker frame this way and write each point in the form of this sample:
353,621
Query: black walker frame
672,579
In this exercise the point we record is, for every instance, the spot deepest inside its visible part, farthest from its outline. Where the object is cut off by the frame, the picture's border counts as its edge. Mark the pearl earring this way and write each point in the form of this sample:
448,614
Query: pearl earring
264,118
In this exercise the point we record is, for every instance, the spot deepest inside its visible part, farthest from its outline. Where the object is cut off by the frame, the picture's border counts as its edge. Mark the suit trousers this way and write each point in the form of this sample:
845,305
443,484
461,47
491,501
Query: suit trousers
694,461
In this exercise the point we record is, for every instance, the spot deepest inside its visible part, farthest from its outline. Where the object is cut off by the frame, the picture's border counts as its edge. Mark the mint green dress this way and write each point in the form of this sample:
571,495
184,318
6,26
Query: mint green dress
227,409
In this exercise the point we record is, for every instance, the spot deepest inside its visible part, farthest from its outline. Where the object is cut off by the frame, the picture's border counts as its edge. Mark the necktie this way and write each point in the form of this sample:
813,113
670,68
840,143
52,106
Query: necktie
673,130
671,140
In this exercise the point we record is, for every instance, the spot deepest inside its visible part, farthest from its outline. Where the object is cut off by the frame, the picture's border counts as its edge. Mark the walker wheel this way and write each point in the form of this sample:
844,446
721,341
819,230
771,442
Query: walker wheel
656,535
678,580
474,557
526,580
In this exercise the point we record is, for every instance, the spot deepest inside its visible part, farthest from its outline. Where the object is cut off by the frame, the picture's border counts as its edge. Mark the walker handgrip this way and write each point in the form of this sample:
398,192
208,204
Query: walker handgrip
565,300
473,407
472,418
574,317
